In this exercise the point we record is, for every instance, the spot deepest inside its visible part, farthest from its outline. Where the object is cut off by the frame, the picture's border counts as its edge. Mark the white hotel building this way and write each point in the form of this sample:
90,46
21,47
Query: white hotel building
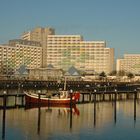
130,63
64,51
20,52
41,47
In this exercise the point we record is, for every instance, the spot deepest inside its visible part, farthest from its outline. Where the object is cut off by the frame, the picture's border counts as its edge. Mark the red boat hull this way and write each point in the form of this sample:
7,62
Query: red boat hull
52,102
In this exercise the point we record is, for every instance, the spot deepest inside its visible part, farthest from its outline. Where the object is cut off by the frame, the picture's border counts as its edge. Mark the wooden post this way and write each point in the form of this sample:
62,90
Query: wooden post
95,95
95,108
90,97
135,98
22,100
18,87
100,97
121,97
103,96
127,96
35,88
71,92
16,100
83,99
115,116
4,115
39,100
4,99
39,113
109,96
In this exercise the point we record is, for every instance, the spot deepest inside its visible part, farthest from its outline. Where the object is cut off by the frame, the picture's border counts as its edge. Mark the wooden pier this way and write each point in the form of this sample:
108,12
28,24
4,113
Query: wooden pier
87,96
16,104
94,97
90,92
75,85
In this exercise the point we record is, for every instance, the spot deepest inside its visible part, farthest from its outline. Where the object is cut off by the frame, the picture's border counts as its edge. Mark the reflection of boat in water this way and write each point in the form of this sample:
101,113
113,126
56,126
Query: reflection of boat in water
62,98
63,109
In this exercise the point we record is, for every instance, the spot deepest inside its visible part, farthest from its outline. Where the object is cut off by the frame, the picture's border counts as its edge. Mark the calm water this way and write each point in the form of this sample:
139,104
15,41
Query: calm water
87,122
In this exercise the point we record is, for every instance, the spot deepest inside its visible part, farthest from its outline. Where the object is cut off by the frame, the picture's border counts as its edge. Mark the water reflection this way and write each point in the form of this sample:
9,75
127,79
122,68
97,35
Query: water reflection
4,117
39,123
3,124
39,113
45,118
115,109
94,110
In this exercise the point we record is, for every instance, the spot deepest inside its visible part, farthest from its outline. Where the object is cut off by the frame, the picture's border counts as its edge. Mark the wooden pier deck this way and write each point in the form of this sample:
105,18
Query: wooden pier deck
85,96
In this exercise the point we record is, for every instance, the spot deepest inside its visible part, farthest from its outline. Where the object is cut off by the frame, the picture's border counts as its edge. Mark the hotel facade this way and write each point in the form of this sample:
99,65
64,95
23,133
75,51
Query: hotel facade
130,63
39,34
41,47
64,51
20,52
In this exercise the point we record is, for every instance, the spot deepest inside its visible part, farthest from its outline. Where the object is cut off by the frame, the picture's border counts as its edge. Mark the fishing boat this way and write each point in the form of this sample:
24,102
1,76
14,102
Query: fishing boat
62,98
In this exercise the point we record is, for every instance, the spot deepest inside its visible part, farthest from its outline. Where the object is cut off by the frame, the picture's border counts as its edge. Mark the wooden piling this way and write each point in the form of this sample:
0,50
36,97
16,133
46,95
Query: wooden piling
16,100
4,116
115,110
39,100
135,98
71,92
39,113
22,100
83,97
90,97
94,109
103,96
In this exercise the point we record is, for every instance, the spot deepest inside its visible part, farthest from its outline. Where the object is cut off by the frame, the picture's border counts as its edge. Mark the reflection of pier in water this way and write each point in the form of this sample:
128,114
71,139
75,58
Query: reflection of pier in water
62,117
114,103
60,112
96,98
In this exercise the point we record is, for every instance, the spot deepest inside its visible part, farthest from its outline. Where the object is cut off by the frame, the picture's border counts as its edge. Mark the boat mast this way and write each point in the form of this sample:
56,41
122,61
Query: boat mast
65,83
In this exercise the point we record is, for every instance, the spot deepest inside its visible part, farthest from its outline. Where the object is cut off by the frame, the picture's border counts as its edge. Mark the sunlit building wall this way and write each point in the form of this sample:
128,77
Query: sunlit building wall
40,34
130,63
63,51
12,57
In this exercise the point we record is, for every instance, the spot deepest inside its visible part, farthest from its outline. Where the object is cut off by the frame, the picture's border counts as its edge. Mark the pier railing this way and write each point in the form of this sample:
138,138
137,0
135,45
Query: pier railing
86,96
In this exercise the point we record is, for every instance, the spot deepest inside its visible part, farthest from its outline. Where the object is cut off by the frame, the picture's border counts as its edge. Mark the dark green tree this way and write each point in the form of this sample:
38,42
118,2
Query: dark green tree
121,73
113,73
102,75
130,75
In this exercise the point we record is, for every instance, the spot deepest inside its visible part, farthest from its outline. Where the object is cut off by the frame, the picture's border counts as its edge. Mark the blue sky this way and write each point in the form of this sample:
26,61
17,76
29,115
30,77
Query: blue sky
115,21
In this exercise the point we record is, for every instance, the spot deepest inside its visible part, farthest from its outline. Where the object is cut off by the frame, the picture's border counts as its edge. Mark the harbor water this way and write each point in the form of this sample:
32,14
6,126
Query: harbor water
106,120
